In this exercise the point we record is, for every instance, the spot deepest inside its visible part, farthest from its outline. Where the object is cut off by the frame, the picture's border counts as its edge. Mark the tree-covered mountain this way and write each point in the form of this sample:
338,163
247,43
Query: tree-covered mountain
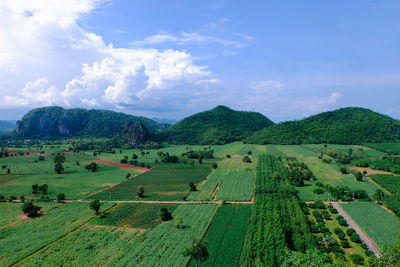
343,126
6,126
56,122
217,126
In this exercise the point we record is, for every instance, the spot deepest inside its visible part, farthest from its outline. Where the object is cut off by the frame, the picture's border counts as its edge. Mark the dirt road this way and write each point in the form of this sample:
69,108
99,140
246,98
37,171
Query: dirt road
365,238
125,166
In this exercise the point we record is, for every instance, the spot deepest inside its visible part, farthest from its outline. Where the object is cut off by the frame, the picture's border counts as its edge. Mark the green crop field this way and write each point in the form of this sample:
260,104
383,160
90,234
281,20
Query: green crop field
163,182
380,225
386,147
388,181
233,180
23,239
325,173
142,216
226,236
76,182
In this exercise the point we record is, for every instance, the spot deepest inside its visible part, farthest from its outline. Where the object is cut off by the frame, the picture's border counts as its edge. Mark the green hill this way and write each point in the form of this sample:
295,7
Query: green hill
343,126
6,126
217,126
56,122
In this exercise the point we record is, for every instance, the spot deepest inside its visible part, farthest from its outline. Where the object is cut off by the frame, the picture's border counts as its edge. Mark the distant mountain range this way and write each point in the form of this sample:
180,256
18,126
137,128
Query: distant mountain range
6,126
164,120
343,126
216,126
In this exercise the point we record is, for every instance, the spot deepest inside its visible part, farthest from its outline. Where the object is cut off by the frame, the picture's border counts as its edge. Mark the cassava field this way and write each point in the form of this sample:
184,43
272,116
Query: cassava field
249,205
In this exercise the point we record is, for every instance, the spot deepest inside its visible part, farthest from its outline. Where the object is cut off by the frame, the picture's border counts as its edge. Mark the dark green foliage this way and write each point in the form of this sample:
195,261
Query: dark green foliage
30,209
342,126
92,167
357,259
345,244
342,222
220,125
350,231
60,197
318,191
165,215
393,203
247,159
197,251
319,204
95,205
359,176
214,165
390,182
35,189
277,221
41,158
344,170
369,253
170,159
355,238
298,172
43,189
364,246
56,122
192,187
140,192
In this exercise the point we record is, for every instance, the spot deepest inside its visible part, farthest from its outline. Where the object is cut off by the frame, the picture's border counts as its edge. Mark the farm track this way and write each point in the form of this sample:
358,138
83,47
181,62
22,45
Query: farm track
166,202
125,166
58,239
365,238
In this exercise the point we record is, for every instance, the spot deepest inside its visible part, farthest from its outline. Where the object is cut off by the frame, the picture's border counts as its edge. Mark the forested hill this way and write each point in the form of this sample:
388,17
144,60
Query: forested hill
6,126
56,122
343,126
217,126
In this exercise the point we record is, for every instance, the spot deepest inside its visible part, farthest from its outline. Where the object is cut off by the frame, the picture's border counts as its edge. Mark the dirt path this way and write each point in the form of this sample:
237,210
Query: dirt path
166,202
28,151
125,166
365,238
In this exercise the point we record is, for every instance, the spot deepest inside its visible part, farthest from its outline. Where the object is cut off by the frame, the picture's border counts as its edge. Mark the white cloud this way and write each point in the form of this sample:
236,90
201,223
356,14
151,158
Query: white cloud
316,104
266,85
56,62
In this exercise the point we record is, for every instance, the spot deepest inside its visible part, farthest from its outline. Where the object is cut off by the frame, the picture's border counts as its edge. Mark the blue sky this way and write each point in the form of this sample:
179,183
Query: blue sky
170,59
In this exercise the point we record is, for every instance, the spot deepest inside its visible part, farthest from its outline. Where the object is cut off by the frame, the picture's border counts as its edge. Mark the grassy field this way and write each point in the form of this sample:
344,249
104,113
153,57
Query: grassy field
367,151
23,239
380,225
387,147
225,238
163,182
390,182
75,182
140,216
325,173
233,180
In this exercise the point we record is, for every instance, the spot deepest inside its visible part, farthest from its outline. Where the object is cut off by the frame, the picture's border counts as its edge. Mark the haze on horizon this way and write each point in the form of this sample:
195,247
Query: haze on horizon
170,59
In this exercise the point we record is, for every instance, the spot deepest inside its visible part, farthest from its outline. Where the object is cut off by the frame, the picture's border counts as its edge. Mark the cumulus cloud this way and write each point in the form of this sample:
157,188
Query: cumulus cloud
63,64
266,85
315,104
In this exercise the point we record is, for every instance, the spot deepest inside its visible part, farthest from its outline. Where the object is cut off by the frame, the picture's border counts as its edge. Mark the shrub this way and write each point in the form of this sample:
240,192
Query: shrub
318,191
337,230
319,204
246,159
314,229
345,244
311,205
326,215
341,236
319,184
165,215
369,253
342,222
364,246
339,217
60,197
355,238
357,259
323,229
30,209
333,210
336,249
343,170
350,231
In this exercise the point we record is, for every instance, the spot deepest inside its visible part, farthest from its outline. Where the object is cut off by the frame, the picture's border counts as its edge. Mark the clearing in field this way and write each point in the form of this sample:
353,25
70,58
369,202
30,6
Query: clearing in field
379,224
163,182
233,181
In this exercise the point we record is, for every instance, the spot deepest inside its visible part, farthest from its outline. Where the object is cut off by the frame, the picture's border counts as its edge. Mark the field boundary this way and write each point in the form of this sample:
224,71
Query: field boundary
126,166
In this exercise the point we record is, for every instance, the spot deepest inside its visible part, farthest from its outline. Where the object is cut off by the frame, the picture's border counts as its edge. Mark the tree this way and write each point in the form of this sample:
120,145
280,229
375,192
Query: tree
247,159
30,209
95,205
58,167
389,257
359,176
197,251
128,175
141,192
379,196
165,215
343,170
214,165
35,189
192,187
228,156
200,160
43,189
178,222
60,197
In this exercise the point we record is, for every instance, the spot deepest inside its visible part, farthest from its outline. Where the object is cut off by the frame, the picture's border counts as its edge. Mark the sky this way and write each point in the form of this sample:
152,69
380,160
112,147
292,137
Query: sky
170,59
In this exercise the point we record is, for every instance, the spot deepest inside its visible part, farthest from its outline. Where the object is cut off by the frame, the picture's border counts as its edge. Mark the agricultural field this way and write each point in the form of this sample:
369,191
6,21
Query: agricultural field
166,181
233,180
138,215
17,244
226,235
386,147
379,224
388,181
75,182
325,173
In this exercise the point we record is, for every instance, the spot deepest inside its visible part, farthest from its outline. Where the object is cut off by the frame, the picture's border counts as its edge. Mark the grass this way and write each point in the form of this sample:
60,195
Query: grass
233,180
326,173
379,224
225,238
75,182
390,182
163,182
140,216
386,147
23,239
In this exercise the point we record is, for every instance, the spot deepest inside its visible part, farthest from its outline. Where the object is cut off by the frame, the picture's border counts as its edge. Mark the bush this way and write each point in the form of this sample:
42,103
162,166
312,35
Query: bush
337,230
364,246
319,204
337,250
30,209
350,231
165,215
246,159
60,197
341,236
357,259
369,253
342,222
339,217
345,244
355,238
326,215
311,205
359,176
318,191
333,210
323,229
343,170
314,229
